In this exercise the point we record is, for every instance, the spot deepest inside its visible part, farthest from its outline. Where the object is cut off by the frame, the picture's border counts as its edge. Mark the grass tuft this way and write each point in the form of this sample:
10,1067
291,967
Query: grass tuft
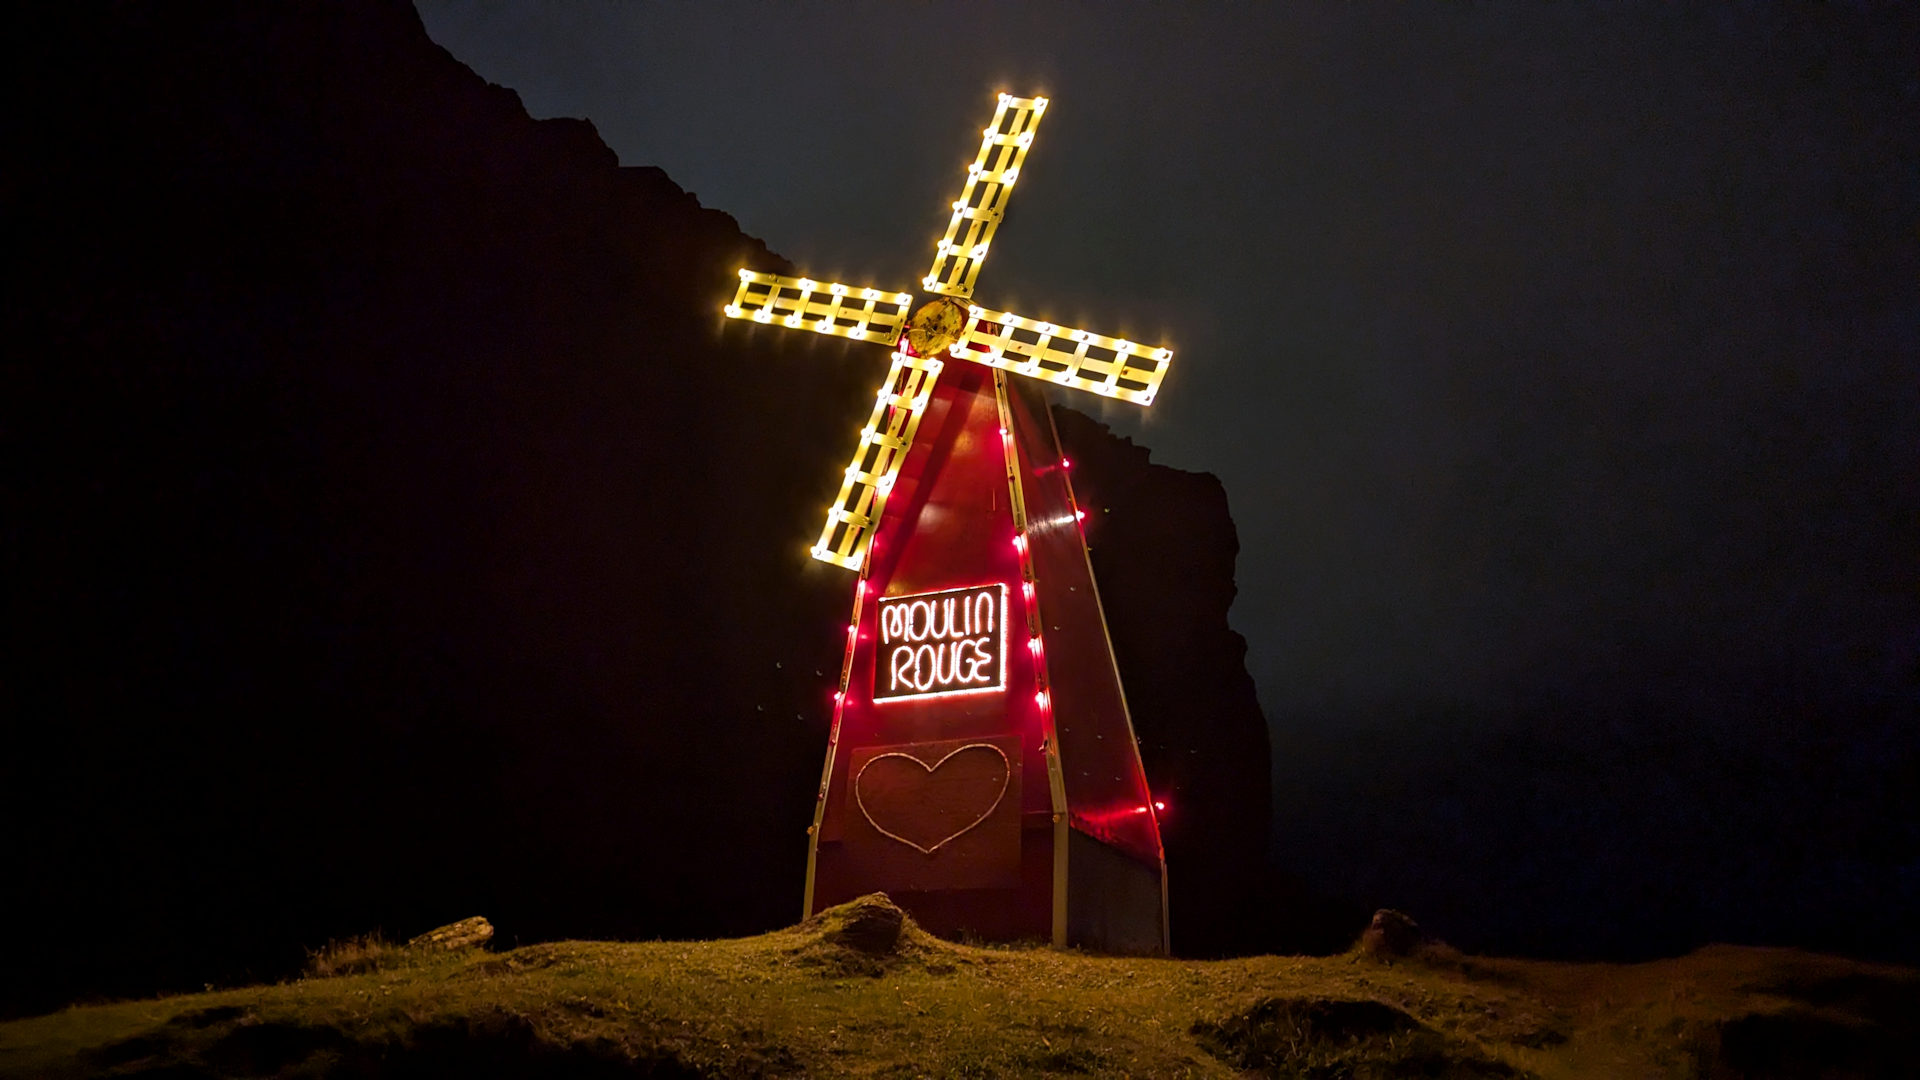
352,956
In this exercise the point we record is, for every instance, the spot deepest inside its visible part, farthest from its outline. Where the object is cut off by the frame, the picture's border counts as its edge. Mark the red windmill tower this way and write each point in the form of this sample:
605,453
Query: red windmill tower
982,768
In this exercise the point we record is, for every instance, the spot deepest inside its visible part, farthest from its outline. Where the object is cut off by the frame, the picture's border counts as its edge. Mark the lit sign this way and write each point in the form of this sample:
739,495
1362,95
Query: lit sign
951,642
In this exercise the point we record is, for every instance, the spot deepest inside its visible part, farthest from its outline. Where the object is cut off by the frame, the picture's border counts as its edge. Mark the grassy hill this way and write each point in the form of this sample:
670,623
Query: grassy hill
860,991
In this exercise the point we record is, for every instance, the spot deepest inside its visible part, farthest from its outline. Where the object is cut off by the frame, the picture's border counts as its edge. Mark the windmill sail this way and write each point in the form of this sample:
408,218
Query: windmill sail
983,202
884,443
1109,366
863,314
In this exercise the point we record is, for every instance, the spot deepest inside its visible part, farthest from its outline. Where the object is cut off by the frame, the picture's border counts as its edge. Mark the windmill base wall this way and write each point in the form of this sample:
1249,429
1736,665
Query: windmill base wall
1020,914
1115,903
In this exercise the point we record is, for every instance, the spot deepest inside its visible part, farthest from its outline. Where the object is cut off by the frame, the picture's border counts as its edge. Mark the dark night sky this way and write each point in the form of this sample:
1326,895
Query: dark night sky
1536,348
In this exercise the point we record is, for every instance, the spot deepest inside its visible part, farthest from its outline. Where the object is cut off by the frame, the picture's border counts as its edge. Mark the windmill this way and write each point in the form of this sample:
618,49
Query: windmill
982,767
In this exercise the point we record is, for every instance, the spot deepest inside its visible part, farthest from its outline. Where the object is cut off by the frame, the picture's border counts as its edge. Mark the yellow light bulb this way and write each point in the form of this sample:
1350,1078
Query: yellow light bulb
805,285
746,275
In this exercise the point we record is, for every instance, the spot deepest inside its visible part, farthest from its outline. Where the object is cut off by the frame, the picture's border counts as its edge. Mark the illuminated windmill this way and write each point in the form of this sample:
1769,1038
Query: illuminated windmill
982,768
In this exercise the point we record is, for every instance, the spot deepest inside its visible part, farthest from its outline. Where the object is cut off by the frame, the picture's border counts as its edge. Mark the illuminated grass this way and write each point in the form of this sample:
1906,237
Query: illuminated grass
796,1003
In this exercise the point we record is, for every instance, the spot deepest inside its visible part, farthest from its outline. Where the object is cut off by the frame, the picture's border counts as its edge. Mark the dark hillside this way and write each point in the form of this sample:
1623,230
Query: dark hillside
397,532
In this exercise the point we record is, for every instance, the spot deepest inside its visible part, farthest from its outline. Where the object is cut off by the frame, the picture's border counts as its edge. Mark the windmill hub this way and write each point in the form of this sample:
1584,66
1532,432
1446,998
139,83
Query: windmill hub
936,326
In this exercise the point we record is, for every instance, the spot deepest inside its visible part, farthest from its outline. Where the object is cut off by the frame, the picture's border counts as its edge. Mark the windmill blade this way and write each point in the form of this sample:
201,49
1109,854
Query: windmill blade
1111,367
823,307
983,202
876,462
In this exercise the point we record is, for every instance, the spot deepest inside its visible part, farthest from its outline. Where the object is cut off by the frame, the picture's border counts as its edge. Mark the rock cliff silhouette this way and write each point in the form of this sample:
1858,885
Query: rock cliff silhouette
400,531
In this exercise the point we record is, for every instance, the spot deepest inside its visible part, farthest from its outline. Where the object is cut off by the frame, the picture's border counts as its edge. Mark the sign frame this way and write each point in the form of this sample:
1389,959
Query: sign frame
888,646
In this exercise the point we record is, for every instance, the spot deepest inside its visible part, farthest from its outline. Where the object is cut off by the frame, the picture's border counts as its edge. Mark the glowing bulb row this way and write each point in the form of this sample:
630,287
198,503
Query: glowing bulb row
765,297
1109,366
1003,146
897,408
1035,645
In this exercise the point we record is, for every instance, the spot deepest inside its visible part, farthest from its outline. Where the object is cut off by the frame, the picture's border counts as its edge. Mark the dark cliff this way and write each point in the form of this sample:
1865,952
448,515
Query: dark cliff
400,533
1163,549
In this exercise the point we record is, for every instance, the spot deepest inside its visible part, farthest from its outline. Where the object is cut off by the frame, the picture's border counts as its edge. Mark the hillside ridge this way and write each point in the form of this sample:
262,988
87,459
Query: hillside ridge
859,990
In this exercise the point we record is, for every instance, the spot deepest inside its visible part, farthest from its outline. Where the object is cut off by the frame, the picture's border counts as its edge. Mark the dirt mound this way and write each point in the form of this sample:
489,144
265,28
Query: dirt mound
871,924
1853,1026
1324,1038
868,936
1393,935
